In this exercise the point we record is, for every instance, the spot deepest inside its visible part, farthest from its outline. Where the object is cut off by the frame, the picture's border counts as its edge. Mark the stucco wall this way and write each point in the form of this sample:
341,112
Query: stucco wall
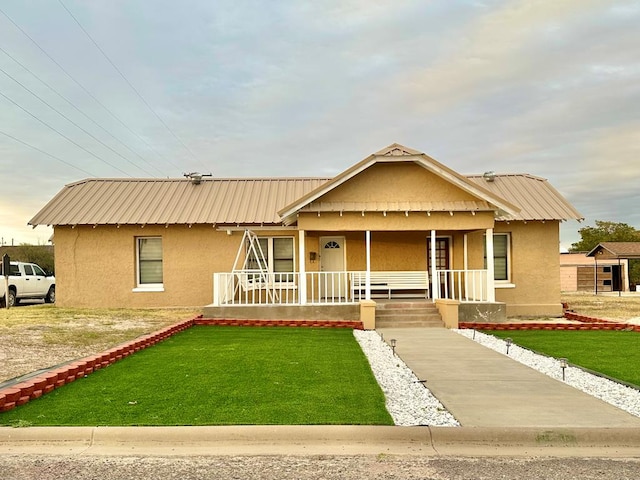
395,182
97,266
534,287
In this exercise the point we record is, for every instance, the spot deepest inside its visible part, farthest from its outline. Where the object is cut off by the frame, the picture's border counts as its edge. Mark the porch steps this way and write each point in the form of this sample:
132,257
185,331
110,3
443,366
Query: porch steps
409,314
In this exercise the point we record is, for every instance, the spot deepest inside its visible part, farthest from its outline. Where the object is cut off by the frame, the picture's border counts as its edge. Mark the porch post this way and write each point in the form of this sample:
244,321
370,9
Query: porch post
302,269
435,282
491,288
465,246
367,292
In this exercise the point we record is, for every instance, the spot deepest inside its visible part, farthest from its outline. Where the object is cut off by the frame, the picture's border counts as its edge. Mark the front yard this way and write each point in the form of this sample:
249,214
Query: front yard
223,376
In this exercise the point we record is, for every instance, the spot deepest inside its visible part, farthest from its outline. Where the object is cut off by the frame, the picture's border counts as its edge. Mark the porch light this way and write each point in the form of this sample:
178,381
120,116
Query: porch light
393,345
508,341
564,363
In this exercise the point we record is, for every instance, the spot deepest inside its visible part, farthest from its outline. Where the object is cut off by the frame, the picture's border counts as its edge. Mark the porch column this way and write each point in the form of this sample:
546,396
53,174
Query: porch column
491,288
435,283
367,292
302,269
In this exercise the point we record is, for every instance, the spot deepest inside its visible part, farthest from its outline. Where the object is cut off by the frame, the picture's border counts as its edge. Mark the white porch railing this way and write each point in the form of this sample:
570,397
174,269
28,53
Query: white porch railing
256,288
259,288
462,285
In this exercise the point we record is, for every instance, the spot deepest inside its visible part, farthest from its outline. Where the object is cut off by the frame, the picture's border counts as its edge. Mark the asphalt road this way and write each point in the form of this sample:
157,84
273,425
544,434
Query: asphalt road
370,467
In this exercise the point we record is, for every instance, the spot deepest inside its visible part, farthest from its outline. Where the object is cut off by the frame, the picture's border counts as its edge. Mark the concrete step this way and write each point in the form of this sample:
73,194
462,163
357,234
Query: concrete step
418,311
407,314
408,323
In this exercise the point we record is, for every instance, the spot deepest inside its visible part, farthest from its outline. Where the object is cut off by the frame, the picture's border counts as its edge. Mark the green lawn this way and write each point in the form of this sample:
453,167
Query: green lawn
614,353
223,376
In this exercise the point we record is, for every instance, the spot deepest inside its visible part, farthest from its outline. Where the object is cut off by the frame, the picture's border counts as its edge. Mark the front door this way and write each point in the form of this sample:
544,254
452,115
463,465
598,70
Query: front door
443,256
333,281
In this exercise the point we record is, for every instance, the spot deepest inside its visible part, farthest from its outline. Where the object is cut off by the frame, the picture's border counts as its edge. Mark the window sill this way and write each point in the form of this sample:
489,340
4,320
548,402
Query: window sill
149,288
504,285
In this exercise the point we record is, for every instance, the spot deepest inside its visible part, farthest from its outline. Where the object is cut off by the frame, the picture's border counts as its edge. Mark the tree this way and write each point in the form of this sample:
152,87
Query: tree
610,232
39,254
604,232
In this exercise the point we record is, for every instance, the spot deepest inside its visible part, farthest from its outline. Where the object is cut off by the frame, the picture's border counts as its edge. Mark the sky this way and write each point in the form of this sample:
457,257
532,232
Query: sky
248,88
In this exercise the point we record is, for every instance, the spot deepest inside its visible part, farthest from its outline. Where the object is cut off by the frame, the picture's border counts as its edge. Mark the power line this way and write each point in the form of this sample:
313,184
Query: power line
46,153
128,82
63,135
87,91
78,109
74,123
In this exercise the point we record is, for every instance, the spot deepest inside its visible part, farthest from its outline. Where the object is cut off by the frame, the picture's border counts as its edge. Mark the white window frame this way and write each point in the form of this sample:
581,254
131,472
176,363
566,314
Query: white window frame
506,283
269,255
147,287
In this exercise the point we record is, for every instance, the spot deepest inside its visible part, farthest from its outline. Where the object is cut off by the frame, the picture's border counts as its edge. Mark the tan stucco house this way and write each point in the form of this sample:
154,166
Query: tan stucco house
386,227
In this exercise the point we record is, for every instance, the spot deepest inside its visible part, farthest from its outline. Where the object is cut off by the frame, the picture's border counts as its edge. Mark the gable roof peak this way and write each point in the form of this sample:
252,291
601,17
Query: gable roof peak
396,150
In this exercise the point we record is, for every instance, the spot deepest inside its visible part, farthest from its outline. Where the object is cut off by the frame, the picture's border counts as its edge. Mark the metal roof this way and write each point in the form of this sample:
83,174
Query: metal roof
247,201
535,196
275,201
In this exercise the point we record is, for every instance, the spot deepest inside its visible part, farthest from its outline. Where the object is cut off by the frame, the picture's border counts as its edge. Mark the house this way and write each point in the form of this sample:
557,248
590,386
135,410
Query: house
580,273
617,255
313,247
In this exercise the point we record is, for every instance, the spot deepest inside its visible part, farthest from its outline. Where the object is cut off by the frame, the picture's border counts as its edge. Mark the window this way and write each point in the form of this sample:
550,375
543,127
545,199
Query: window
38,271
278,253
149,253
28,270
501,254
606,269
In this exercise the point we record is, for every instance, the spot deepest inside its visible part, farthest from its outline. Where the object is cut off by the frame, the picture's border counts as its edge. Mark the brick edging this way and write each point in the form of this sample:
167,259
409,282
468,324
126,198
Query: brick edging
586,323
21,393
355,325
32,388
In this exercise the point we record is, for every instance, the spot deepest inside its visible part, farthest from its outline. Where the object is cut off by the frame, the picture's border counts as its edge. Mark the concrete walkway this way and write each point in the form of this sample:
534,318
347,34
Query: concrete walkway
483,388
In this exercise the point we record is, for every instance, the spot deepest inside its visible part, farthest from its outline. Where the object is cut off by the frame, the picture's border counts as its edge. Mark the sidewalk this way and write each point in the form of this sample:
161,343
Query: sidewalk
483,388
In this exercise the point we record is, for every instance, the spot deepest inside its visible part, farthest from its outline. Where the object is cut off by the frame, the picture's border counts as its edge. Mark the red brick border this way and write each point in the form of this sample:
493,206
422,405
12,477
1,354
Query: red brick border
21,393
586,323
355,325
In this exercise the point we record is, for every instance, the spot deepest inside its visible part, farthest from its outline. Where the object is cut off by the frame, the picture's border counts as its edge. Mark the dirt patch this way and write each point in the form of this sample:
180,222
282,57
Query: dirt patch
40,336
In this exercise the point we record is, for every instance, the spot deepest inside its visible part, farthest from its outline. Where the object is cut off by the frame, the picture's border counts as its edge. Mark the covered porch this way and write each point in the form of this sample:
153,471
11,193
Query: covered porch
317,290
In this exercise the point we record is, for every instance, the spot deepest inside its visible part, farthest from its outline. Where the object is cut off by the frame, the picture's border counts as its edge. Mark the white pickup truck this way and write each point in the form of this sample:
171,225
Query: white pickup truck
27,281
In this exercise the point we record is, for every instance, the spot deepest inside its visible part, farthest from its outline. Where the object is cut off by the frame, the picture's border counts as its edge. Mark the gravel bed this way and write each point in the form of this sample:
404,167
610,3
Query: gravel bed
616,394
407,399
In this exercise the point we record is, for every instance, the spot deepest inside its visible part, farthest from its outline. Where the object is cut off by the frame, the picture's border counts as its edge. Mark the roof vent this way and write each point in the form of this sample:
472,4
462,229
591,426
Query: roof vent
489,176
196,177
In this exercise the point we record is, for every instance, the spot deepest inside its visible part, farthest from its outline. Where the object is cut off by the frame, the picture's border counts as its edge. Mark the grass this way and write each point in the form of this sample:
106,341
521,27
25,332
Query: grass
223,376
614,353
610,306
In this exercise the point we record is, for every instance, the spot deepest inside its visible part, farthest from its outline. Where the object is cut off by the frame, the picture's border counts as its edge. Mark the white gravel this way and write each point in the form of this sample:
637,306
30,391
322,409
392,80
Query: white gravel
408,401
616,394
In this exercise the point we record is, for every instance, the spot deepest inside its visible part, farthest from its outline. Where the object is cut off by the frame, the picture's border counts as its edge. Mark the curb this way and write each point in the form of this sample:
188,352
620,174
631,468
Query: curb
320,440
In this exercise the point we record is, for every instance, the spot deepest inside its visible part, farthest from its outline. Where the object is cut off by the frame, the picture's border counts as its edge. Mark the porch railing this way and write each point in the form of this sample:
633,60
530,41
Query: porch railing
259,288
462,285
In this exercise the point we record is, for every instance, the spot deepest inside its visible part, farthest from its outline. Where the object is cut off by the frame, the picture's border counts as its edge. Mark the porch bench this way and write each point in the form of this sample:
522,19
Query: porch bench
389,281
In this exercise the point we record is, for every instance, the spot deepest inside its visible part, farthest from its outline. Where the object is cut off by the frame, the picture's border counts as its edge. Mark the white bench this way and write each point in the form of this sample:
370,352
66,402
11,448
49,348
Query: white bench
389,281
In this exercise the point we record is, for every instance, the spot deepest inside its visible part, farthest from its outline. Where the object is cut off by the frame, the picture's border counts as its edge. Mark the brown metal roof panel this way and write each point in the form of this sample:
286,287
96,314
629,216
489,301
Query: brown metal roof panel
537,199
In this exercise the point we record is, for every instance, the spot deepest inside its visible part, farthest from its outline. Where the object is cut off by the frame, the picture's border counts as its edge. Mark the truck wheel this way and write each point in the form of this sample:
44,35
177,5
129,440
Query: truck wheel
51,295
12,298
